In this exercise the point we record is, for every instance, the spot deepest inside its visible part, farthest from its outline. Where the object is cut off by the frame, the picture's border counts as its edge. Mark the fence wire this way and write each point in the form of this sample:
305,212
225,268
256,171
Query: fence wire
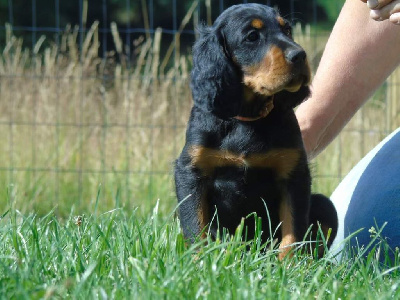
94,97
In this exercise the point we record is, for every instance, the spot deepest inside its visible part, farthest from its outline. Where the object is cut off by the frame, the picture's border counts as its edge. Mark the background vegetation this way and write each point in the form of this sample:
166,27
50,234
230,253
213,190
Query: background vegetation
48,17
160,10
74,123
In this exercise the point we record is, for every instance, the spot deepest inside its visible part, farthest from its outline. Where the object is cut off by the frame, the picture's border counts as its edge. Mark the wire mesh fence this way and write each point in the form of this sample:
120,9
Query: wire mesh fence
94,99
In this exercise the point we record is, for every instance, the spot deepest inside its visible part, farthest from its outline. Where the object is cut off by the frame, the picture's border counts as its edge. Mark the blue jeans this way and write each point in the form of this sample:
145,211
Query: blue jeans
369,196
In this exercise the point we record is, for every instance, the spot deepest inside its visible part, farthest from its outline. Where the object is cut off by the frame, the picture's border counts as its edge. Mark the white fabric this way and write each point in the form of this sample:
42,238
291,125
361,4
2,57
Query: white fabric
342,195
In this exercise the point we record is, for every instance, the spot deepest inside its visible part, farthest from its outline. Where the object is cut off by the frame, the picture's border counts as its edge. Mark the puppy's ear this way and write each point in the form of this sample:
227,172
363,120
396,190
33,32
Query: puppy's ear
215,80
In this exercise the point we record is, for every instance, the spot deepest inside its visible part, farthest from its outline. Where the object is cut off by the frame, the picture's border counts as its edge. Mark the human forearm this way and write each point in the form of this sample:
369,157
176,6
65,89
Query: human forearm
358,57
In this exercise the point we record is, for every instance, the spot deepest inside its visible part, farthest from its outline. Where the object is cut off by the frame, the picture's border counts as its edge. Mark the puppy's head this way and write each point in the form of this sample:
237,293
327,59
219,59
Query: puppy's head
246,61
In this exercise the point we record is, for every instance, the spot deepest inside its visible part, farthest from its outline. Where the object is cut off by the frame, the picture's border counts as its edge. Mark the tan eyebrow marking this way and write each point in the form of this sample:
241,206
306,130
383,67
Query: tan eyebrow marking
257,23
281,21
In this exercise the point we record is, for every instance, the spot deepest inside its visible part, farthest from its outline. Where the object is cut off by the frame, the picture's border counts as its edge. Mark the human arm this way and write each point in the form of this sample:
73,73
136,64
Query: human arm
359,56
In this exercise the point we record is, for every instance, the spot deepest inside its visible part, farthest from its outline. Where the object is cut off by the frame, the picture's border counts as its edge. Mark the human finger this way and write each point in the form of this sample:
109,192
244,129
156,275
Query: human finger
377,4
395,18
386,11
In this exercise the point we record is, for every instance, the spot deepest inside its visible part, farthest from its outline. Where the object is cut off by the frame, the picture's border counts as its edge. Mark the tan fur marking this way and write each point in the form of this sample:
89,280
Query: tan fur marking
207,159
273,74
281,21
203,216
288,238
270,76
257,23
283,161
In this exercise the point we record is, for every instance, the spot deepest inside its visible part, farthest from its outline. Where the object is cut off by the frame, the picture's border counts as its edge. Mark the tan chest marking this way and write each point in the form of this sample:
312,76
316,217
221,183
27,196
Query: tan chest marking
283,160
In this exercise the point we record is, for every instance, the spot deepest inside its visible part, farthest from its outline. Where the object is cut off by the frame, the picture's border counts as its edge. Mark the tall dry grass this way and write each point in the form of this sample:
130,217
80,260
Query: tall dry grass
74,123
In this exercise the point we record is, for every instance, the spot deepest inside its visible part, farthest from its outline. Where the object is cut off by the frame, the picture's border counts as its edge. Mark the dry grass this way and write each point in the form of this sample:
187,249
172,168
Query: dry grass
72,122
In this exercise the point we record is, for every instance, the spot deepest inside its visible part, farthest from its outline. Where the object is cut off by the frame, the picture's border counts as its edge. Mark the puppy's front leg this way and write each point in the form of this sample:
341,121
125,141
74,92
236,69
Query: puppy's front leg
287,230
294,210
191,190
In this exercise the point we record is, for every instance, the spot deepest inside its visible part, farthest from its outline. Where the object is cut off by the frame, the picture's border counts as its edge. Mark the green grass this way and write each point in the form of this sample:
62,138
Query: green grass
118,254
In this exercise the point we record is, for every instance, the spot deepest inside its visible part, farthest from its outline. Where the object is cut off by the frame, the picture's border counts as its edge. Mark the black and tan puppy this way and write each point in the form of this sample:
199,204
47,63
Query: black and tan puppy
243,144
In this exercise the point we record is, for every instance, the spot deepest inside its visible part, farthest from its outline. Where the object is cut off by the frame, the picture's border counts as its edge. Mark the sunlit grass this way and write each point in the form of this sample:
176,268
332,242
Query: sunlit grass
117,255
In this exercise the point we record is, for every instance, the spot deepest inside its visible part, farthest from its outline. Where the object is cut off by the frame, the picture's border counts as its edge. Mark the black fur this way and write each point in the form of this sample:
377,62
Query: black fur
222,58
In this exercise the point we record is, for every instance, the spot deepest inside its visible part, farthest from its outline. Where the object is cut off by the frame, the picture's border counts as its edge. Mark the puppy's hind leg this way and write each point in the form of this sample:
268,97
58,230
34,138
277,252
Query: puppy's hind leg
323,214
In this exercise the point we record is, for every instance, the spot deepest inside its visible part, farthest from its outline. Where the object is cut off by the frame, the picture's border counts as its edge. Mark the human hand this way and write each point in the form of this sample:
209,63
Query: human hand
384,9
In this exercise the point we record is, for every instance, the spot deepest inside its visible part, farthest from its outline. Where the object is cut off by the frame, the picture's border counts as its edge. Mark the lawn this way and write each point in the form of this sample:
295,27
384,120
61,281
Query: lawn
120,255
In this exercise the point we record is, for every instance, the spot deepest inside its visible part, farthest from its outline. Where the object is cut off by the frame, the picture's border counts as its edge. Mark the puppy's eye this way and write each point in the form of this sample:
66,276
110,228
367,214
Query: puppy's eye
287,29
253,36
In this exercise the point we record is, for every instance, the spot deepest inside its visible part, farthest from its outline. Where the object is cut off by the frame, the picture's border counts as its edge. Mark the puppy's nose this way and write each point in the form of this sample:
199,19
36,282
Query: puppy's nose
296,56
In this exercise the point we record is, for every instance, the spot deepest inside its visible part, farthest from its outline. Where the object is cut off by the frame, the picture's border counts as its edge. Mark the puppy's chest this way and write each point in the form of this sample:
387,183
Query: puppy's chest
245,150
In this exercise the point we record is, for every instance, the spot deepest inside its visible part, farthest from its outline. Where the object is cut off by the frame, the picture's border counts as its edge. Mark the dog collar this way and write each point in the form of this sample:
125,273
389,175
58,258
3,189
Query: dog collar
265,112
246,119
